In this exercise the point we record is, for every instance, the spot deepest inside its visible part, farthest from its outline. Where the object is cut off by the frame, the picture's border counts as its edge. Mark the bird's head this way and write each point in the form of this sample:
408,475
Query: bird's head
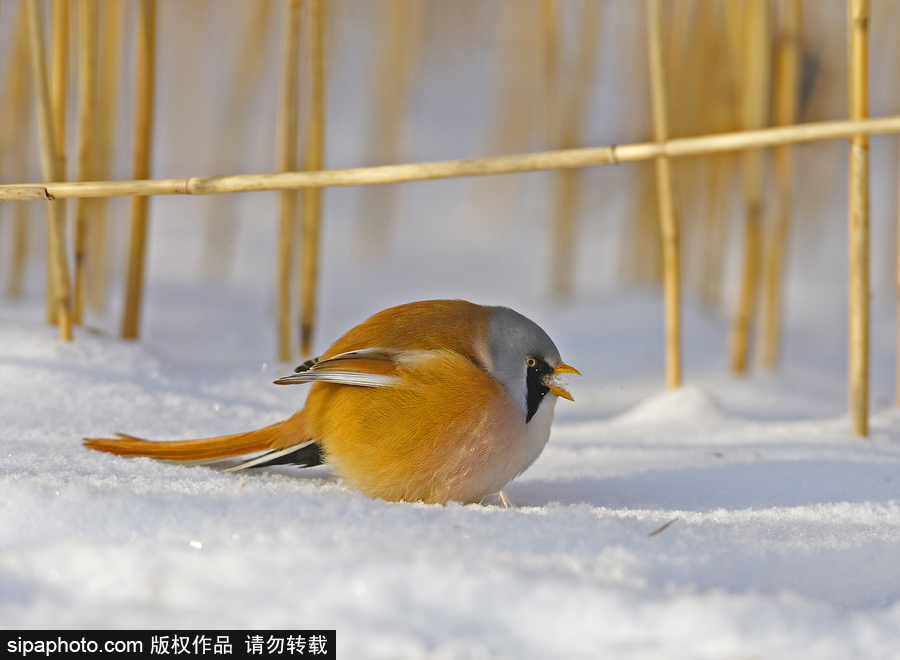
525,360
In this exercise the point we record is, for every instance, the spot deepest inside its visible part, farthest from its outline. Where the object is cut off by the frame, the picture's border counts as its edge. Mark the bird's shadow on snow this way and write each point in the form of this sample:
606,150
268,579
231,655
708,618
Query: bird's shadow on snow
747,485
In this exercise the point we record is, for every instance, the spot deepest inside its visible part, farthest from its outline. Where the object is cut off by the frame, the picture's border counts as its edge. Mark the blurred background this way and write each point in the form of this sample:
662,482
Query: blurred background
420,80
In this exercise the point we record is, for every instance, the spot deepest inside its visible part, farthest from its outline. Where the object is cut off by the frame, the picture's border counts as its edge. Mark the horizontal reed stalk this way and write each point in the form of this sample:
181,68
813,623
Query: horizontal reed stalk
547,160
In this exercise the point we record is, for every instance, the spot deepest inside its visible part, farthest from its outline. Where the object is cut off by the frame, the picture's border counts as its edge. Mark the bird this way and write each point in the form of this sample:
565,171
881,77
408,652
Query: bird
431,401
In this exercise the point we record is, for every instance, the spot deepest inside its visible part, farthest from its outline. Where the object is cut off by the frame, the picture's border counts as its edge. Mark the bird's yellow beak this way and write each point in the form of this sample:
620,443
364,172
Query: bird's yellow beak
553,380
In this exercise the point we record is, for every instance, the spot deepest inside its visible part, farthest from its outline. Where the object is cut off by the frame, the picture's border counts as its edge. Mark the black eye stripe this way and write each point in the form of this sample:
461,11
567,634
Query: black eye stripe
535,390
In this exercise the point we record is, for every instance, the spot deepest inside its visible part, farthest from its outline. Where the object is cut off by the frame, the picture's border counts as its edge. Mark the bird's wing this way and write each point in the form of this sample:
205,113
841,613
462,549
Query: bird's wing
371,367
305,454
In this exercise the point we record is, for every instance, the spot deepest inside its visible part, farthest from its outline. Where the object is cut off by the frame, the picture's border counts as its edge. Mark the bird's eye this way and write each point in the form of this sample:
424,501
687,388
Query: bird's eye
531,362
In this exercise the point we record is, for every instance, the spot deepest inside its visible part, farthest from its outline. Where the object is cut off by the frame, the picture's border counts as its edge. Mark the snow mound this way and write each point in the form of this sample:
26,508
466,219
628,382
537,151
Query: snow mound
688,405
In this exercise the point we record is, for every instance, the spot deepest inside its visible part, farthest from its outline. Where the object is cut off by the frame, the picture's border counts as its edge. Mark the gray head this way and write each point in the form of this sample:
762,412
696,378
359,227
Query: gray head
524,359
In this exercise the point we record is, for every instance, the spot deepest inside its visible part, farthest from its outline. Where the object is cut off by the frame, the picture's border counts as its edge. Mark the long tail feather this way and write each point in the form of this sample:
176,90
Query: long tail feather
282,434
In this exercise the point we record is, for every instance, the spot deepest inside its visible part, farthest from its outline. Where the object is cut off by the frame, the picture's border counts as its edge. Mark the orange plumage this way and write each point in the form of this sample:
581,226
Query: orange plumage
420,402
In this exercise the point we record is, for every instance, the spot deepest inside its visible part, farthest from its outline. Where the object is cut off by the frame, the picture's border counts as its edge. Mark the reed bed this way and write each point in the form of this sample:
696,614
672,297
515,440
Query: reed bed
729,98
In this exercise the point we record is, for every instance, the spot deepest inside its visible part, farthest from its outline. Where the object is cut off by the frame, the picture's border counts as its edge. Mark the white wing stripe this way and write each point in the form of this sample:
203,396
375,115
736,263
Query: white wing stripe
358,378
268,456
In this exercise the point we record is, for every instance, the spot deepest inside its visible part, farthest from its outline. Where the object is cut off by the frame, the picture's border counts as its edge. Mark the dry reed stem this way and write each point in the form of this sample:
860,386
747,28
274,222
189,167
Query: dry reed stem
59,56
574,115
723,117
546,160
15,93
289,119
550,37
786,104
143,142
387,123
668,218
312,197
59,305
14,134
704,105
755,109
19,250
59,65
519,48
89,15
110,55
858,87
221,223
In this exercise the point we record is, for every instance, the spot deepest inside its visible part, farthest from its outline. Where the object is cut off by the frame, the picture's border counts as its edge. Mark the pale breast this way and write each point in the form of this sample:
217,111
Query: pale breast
449,431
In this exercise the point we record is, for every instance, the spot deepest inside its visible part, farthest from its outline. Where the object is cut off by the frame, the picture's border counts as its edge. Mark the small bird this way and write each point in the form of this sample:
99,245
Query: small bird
433,401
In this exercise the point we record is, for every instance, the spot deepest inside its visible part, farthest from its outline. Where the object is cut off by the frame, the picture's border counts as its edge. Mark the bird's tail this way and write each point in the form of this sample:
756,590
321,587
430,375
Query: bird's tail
290,432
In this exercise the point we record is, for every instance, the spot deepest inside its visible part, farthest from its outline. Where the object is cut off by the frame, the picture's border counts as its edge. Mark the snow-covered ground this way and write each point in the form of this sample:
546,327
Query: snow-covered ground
733,518
783,535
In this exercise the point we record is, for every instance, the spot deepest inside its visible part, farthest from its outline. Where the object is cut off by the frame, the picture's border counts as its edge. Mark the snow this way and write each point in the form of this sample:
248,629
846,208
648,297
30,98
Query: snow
732,518
783,539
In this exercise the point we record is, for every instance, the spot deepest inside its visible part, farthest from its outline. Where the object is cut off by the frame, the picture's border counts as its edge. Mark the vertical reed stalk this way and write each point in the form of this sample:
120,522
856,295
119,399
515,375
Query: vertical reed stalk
59,308
59,56
668,218
755,109
312,197
574,120
89,12
222,222
385,143
59,68
858,86
550,34
143,143
20,249
721,173
110,54
14,134
787,93
289,119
